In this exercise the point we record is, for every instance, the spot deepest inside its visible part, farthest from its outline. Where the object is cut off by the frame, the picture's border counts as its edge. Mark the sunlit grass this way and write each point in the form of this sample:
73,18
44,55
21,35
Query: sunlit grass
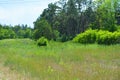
61,61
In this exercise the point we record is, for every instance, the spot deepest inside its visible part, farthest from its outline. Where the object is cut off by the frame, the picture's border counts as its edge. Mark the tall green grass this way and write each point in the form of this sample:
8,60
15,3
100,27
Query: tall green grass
61,61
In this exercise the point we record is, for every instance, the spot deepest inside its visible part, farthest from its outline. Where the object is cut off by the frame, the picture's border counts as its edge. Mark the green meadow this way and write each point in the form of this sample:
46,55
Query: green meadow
61,61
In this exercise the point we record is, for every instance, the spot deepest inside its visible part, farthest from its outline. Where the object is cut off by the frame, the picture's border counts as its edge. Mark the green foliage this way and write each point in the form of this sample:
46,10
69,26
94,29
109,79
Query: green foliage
64,19
22,31
100,37
56,35
64,38
28,33
88,36
116,37
18,31
6,34
105,37
42,41
42,28
69,17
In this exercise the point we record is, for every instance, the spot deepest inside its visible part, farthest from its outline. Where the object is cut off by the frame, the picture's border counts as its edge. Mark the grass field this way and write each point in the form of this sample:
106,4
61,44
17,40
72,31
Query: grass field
61,61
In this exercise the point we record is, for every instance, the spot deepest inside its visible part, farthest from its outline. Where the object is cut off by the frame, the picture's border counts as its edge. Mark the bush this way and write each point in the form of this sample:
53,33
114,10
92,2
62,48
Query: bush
108,38
42,41
88,36
116,37
105,37
100,37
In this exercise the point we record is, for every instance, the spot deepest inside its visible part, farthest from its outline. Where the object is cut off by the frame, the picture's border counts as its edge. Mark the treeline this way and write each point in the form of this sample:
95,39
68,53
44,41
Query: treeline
64,19
18,31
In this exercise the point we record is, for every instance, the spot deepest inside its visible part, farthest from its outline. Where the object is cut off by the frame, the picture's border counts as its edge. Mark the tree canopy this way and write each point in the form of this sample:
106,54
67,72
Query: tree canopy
64,19
71,17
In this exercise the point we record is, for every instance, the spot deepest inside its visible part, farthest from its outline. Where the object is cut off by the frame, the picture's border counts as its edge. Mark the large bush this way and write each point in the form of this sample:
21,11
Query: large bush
42,41
105,37
116,37
100,37
88,36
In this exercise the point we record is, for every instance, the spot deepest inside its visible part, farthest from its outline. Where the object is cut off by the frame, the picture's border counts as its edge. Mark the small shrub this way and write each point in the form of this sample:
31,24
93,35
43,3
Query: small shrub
42,41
